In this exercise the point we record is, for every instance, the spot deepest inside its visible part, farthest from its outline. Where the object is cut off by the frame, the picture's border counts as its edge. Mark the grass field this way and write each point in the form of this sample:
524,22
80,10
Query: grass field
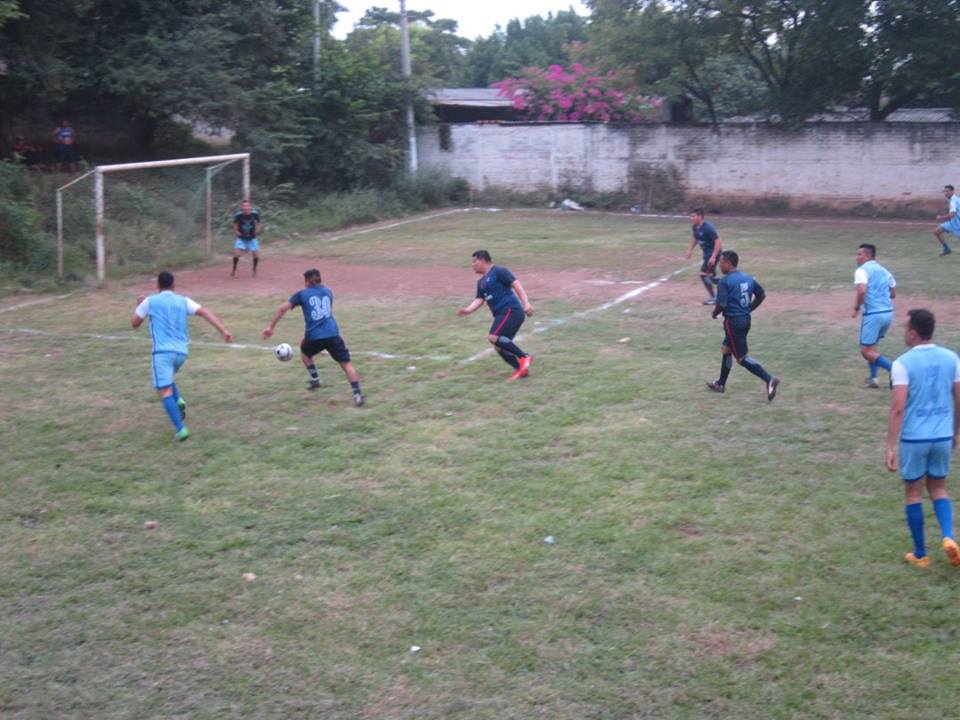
714,556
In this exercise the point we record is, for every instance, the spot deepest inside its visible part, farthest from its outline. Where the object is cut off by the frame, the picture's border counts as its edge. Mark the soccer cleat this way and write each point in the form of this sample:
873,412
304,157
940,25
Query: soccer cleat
946,251
872,383
525,365
952,551
716,387
182,434
710,301
313,384
233,273
919,562
516,374
182,404
772,388
358,399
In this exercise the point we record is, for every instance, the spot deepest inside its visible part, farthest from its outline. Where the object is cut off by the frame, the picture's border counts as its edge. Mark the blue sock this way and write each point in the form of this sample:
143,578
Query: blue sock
884,363
355,386
176,392
170,405
944,510
915,523
510,359
873,370
756,368
312,369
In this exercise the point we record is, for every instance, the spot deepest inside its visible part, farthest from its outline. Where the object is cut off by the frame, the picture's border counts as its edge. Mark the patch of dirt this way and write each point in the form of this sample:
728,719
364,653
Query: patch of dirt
282,275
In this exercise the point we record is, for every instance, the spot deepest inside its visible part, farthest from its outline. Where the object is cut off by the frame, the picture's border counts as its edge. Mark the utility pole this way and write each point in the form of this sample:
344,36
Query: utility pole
408,91
317,30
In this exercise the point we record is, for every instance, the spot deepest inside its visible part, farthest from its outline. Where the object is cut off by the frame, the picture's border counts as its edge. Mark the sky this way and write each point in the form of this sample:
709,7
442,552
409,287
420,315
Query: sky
475,18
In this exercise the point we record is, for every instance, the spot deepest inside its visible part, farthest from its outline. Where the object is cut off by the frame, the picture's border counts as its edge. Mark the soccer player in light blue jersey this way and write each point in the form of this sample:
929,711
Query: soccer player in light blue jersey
169,313
950,222
876,289
924,416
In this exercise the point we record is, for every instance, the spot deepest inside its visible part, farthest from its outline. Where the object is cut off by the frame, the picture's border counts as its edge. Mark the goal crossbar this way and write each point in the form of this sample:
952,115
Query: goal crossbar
217,161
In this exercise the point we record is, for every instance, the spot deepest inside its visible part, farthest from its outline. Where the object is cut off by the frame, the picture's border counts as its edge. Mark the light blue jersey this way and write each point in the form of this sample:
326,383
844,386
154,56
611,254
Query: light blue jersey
953,225
168,313
879,282
929,372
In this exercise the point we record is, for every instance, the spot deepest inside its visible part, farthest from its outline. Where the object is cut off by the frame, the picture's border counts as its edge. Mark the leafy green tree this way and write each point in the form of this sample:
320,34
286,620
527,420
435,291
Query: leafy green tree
914,51
534,42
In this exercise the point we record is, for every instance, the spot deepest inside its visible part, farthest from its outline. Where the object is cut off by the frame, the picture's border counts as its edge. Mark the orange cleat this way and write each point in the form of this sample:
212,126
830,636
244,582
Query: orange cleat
952,551
919,562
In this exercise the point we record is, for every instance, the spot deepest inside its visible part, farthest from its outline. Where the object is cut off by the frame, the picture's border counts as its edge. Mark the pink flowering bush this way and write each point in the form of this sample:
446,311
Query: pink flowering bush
576,94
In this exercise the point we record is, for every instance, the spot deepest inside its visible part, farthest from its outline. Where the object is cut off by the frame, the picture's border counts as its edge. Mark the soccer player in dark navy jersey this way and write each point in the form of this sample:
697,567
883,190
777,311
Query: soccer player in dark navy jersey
321,331
706,236
507,300
738,294
247,226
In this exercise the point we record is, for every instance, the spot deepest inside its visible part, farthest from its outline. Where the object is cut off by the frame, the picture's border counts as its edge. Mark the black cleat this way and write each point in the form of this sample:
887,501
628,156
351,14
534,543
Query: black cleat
313,384
716,387
772,388
358,399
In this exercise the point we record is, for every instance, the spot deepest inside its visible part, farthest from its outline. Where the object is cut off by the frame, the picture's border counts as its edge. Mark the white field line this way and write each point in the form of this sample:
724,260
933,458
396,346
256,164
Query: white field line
400,223
202,343
556,322
39,301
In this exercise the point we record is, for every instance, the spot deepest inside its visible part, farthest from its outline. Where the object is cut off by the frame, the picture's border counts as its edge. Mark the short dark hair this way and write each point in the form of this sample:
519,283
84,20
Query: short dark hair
165,280
731,257
482,255
870,248
697,211
922,322
948,187
312,276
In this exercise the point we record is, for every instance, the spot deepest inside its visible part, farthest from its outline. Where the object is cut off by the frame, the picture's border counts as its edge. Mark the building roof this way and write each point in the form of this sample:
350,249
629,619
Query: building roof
469,97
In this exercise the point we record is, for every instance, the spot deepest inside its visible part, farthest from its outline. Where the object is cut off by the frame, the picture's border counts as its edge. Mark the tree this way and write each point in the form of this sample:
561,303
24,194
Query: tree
914,51
534,42
809,53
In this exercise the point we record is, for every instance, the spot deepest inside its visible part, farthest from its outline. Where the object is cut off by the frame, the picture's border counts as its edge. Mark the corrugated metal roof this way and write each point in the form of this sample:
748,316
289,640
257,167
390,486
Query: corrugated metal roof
469,97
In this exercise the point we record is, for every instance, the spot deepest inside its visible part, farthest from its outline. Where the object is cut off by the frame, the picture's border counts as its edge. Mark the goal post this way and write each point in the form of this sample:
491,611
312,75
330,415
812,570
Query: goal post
214,163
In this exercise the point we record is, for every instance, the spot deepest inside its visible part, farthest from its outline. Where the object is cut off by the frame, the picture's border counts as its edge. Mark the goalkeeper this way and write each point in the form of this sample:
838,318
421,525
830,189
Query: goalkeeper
247,225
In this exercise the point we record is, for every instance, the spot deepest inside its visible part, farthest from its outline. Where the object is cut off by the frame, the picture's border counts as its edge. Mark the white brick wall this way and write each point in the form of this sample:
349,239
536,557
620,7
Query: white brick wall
891,166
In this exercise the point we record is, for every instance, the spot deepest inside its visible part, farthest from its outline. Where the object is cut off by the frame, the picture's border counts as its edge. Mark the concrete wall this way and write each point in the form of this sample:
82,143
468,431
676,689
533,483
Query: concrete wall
867,167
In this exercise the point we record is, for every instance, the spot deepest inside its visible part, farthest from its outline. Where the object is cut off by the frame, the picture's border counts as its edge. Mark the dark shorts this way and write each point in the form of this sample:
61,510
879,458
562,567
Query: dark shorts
507,323
333,345
704,270
735,335
65,153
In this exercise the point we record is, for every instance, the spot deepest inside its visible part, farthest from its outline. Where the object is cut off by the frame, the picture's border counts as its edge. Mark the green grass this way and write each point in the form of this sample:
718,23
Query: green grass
714,556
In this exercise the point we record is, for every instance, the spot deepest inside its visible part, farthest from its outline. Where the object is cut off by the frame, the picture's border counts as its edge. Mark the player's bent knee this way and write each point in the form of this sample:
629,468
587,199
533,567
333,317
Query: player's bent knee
492,339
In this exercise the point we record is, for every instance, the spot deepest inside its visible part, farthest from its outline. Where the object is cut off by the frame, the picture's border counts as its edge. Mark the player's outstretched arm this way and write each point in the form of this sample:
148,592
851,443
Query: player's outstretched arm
522,294
215,321
281,311
477,302
136,321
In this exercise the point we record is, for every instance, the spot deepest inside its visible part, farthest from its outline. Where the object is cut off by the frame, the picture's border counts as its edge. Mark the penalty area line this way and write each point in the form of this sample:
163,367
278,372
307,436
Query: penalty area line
557,322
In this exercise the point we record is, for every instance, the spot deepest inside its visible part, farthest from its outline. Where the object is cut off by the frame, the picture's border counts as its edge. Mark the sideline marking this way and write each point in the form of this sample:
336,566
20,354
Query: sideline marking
556,322
400,223
34,302
203,343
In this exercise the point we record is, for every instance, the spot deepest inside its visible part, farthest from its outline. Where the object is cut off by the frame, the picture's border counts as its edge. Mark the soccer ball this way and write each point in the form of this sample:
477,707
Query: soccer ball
283,352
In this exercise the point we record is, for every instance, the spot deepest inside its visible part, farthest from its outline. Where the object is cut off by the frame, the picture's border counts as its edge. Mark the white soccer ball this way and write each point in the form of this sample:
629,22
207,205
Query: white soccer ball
283,352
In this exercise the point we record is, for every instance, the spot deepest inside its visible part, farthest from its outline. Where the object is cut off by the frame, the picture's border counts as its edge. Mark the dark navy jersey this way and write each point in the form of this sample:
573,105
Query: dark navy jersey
736,292
247,224
317,305
494,288
706,236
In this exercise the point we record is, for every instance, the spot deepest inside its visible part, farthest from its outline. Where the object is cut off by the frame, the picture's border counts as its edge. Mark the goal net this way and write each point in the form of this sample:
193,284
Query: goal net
141,215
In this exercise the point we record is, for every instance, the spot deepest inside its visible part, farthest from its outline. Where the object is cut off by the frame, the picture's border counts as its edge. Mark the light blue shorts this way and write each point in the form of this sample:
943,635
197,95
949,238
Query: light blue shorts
165,366
253,245
922,459
873,327
951,226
